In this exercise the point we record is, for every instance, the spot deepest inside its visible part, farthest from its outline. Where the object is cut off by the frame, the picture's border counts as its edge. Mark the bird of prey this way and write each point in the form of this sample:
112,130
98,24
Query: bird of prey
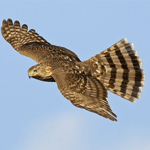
84,83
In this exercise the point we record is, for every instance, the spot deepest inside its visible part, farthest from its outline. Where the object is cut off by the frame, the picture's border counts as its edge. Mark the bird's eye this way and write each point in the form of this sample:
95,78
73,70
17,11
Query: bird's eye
35,70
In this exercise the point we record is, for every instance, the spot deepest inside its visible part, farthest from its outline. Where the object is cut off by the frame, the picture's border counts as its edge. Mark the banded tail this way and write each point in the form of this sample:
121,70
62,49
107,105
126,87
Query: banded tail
119,69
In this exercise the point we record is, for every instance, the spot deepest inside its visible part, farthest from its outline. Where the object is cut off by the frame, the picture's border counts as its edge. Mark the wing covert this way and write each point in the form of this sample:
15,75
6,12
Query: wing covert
30,44
85,92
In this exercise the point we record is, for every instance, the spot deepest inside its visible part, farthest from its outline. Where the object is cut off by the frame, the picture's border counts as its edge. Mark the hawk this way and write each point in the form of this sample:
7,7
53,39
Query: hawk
84,83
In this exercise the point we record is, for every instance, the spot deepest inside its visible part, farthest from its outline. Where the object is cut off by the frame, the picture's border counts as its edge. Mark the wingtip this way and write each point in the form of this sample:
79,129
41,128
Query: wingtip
114,120
4,22
24,27
17,24
9,21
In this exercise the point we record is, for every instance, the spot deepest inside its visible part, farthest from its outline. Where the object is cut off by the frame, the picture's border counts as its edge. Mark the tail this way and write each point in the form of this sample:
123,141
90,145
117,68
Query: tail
119,69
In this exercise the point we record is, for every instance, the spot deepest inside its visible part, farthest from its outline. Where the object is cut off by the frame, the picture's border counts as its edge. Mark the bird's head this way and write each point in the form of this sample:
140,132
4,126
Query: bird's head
40,71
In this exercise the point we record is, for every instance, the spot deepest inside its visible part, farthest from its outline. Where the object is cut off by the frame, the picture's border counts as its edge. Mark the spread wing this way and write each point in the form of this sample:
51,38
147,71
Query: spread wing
84,92
30,44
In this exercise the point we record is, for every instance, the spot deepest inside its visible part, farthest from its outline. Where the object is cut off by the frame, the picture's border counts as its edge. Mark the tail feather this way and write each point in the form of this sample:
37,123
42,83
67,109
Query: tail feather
119,69
123,75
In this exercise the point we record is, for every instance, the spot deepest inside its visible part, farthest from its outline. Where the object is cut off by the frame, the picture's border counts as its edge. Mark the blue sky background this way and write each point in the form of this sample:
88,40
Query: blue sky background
34,115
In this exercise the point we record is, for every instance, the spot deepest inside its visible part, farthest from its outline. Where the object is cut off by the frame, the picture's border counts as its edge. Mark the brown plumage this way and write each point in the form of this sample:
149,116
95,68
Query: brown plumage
85,84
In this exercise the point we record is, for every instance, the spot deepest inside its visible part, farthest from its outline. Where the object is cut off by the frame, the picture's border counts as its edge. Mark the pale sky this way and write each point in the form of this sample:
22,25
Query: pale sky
34,115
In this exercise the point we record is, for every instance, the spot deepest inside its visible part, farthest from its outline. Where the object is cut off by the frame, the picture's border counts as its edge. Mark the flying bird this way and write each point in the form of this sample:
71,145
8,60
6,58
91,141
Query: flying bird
84,83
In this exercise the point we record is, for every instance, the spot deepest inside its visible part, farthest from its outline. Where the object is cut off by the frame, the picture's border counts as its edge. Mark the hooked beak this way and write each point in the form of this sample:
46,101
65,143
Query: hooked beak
29,76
